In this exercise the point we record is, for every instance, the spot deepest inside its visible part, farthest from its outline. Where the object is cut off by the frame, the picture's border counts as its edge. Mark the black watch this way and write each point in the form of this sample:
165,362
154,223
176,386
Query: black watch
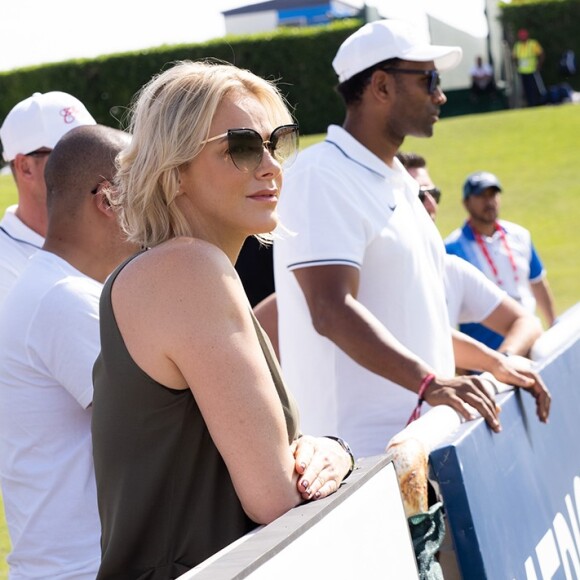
347,448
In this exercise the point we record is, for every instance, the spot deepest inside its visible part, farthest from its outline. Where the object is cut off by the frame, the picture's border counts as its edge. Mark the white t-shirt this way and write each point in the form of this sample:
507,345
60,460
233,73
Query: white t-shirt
345,206
49,340
17,243
524,258
481,74
471,297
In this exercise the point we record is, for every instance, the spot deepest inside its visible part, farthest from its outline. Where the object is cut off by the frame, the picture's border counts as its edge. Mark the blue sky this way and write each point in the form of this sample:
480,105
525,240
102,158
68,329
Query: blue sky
39,31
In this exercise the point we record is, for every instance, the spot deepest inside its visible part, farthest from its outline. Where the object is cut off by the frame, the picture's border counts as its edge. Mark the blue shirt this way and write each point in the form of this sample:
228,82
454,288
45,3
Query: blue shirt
513,273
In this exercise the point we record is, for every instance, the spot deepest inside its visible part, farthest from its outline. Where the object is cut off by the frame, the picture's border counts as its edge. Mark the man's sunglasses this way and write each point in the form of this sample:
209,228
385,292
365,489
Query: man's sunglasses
246,146
39,153
434,192
433,78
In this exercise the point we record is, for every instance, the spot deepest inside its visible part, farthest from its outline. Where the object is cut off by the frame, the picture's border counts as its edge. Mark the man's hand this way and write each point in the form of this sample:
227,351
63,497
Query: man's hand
465,394
517,371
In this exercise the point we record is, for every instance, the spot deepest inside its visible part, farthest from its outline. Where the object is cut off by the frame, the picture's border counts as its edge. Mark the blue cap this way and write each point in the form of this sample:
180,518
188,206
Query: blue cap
478,182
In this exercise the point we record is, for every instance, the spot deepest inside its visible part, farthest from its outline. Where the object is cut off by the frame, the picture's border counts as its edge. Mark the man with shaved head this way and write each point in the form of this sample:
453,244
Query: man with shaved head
28,135
49,340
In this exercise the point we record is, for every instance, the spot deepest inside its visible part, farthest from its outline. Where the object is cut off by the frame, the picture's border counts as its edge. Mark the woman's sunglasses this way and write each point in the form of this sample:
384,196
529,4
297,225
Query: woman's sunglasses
246,146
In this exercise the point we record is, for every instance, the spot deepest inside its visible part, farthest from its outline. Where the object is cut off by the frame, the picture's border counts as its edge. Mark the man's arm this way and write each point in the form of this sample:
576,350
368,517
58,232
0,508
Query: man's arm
331,295
540,54
519,328
474,355
266,311
544,299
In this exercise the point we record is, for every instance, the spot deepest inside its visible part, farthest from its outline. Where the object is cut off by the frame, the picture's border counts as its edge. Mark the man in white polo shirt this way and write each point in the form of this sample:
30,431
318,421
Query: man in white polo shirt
28,134
363,323
49,340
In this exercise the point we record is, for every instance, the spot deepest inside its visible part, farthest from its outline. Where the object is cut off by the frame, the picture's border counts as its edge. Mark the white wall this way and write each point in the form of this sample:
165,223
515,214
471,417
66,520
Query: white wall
251,23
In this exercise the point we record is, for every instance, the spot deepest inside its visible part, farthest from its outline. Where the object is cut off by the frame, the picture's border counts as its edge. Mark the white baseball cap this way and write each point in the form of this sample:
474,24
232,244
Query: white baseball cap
40,121
384,39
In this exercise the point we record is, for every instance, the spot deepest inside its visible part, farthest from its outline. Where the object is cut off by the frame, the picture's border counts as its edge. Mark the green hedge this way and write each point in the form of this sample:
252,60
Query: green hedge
555,24
300,58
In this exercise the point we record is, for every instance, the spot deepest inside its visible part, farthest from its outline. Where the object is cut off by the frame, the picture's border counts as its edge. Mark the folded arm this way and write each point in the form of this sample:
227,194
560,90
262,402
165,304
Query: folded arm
199,334
331,295
519,328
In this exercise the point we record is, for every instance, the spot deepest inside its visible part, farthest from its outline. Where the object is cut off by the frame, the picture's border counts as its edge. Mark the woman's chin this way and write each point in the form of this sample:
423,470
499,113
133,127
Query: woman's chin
267,225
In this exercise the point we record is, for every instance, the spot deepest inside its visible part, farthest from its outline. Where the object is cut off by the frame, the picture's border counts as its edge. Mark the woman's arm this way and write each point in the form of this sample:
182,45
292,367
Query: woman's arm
198,333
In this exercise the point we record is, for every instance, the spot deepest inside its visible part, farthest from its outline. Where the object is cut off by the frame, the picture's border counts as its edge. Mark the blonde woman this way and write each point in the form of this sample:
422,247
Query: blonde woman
196,440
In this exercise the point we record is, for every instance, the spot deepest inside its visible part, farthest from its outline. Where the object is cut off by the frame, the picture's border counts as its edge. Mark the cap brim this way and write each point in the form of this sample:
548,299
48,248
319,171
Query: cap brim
445,57
485,186
481,189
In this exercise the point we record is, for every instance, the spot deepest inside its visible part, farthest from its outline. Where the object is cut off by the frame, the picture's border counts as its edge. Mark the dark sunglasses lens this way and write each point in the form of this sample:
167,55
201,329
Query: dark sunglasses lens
245,148
284,144
434,81
38,153
434,192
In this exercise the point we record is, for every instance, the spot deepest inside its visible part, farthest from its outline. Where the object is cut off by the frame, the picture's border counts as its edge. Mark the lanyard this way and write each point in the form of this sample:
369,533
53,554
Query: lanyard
483,247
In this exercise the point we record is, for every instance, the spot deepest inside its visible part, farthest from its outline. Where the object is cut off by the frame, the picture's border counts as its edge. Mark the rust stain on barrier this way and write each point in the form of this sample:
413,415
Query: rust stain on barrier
410,460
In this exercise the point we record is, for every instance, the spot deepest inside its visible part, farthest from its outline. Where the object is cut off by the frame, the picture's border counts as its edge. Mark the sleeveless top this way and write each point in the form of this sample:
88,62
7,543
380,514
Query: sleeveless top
166,499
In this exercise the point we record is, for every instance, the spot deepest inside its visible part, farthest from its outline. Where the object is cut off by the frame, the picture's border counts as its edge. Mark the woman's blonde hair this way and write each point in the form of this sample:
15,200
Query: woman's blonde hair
170,120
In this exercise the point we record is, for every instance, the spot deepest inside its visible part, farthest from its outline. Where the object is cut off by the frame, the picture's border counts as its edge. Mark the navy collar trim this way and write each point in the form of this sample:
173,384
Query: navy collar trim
353,159
2,229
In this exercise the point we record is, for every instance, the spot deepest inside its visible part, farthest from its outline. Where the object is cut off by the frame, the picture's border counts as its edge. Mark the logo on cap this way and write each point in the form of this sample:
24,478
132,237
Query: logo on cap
69,115
40,121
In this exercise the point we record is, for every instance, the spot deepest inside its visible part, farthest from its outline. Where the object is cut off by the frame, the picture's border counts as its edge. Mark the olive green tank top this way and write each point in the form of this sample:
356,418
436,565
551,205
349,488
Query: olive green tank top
166,500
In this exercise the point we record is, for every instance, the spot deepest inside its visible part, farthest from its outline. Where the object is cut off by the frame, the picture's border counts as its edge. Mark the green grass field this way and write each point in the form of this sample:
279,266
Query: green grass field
534,152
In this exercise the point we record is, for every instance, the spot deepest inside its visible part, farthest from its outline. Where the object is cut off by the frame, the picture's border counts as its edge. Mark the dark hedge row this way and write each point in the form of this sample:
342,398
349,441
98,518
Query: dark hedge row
298,58
555,24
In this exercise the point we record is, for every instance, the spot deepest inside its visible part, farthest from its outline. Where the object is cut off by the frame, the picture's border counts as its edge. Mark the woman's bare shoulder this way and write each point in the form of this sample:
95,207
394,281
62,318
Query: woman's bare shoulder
185,249
176,261
175,283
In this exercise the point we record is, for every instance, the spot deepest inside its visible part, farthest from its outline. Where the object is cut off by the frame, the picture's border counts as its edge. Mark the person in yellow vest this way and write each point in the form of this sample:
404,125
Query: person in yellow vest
529,56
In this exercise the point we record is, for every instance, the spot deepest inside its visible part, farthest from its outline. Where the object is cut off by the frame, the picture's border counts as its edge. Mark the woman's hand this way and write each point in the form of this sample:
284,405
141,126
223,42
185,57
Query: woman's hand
322,464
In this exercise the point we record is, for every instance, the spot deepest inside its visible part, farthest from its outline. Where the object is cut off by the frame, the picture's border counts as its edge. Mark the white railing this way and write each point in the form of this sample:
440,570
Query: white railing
361,531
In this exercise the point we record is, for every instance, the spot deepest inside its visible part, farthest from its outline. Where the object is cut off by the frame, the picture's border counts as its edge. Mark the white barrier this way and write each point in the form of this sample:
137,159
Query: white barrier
513,499
358,532
361,531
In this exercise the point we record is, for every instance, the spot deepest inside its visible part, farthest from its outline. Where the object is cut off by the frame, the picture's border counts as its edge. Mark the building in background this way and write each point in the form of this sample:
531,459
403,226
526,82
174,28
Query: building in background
472,24
266,16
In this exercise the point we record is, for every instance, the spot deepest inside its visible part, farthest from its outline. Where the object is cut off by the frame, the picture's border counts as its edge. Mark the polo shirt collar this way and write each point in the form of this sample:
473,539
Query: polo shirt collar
468,232
357,152
17,230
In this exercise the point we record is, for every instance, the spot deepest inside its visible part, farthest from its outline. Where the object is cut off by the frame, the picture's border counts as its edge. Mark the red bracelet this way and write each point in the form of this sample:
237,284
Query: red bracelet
422,388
